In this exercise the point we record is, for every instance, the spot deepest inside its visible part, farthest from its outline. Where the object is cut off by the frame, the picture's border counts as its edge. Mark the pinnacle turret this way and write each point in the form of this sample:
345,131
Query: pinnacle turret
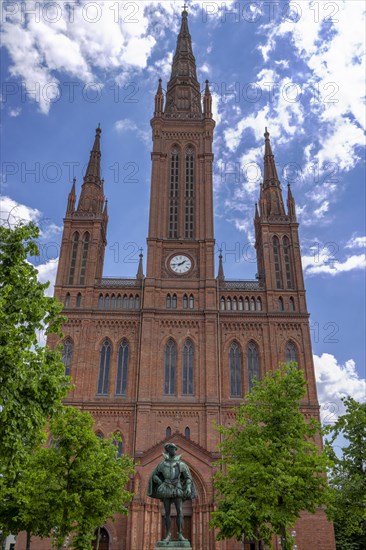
220,275
71,198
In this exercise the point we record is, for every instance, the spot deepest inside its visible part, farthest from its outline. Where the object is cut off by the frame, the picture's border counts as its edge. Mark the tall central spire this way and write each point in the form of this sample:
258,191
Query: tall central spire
183,94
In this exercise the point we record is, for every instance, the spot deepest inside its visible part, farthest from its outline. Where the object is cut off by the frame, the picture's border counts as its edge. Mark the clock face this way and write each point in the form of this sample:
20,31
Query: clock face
180,264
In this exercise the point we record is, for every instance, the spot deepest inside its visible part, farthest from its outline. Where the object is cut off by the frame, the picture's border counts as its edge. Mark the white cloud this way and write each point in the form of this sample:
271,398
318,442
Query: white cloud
334,52
128,125
47,273
322,260
356,242
15,112
76,41
12,212
335,381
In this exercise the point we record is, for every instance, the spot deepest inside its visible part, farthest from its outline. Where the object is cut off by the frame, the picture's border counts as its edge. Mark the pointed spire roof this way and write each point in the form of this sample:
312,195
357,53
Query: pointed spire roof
92,193
271,201
184,75
270,171
140,270
93,171
220,275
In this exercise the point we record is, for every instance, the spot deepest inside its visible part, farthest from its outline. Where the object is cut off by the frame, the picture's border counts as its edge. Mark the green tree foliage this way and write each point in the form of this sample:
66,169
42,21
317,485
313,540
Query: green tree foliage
347,507
271,468
71,487
32,380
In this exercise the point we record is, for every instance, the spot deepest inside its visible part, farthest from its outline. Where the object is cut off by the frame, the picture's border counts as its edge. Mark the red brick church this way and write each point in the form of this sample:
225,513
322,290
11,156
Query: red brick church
161,356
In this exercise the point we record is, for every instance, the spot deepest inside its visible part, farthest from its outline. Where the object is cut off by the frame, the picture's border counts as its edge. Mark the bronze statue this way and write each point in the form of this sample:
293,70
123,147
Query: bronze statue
171,481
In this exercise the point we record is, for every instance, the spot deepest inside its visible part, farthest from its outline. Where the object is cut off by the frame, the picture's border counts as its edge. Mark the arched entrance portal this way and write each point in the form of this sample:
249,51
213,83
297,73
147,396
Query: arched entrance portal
187,525
103,540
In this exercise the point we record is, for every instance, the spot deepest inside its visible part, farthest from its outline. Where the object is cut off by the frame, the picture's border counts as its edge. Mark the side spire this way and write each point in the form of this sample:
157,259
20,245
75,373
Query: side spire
270,171
159,100
271,201
291,208
71,199
92,193
220,275
93,171
140,270
207,101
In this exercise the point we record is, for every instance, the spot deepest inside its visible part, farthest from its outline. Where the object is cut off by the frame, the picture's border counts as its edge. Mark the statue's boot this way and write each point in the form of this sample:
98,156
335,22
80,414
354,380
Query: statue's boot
180,537
168,537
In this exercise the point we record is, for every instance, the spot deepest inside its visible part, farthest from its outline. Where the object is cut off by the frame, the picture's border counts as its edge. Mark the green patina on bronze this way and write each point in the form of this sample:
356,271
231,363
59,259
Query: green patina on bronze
171,481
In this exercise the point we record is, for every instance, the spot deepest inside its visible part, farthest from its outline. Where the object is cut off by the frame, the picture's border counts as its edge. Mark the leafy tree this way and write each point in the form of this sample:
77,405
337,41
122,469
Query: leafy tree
272,469
71,487
32,380
347,507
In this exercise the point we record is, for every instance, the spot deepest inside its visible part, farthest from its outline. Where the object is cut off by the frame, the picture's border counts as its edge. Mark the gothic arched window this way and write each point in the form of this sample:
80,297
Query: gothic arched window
235,371
240,304
188,368
174,301
113,301
259,304
84,258
104,366
291,352
118,303
253,363
173,194
185,301
191,302
170,362
277,262
235,304
67,352
222,302
168,432
228,304
168,301
187,433
292,304
280,304
124,302
106,302
100,301
246,304
287,258
137,302
67,299
78,300
74,253
122,368
252,304
131,302
189,195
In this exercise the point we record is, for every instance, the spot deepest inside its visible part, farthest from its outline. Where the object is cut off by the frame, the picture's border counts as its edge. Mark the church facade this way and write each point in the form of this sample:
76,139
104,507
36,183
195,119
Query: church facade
162,356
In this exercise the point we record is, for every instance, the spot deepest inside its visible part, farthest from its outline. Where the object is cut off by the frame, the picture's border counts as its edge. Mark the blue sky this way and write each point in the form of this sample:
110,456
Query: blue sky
295,67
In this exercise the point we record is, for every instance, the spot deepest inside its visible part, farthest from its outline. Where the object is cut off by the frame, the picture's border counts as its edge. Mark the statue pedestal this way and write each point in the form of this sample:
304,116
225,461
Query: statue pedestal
173,544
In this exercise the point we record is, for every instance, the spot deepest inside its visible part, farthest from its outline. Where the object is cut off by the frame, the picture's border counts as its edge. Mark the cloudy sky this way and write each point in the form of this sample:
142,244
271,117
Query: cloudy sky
296,67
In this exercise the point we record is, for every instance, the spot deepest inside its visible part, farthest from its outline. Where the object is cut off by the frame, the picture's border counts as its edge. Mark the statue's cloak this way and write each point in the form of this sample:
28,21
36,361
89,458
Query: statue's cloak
184,475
